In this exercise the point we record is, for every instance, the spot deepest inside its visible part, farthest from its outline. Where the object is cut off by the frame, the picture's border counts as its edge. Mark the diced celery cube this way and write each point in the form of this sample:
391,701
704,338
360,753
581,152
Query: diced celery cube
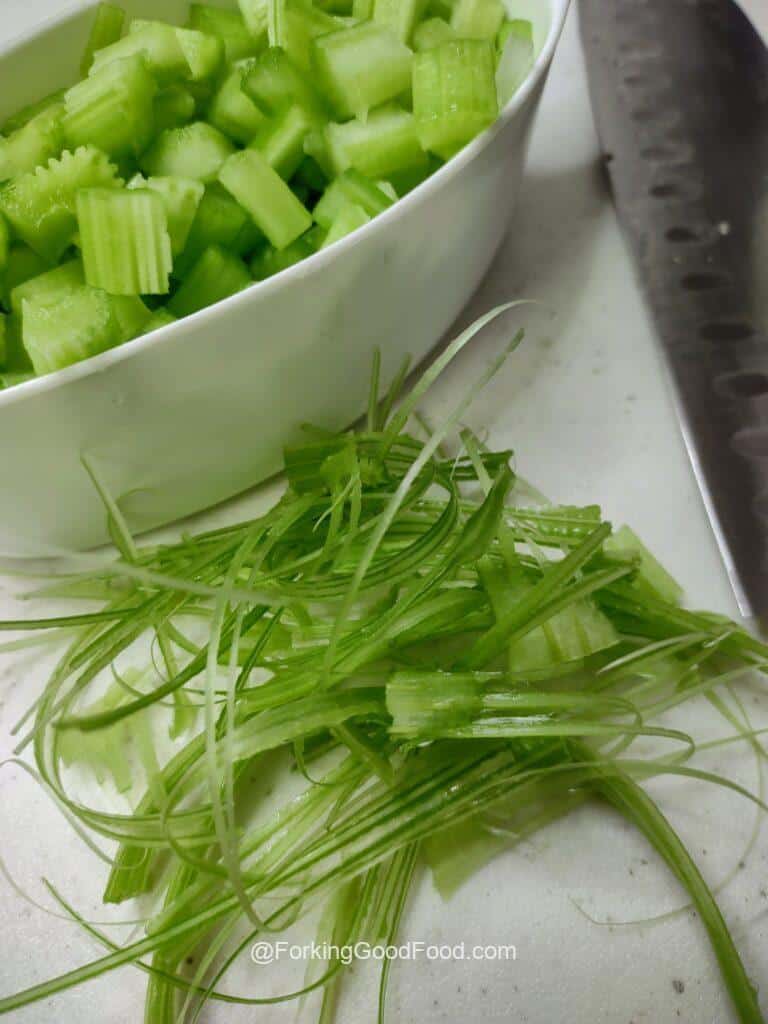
477,19
78,324
124,241
362,67
216,275
106,29
281,140
112,109
387,142
350,189
228,26
271,261
232,111
222,221
349,218
262,192
516,56
431,33
194,151
399,15
181,197
173,108
273,81
34,144
157,43
454,93
254,14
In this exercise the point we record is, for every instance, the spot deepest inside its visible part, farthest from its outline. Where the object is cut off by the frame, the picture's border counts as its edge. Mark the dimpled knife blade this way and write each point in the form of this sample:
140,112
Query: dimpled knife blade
679,91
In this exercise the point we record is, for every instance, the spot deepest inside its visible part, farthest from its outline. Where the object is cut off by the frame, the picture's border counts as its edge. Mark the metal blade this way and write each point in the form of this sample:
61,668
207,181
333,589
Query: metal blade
680,95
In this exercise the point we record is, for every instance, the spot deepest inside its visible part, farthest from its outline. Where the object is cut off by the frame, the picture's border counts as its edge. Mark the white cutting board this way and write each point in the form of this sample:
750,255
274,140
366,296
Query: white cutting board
586,405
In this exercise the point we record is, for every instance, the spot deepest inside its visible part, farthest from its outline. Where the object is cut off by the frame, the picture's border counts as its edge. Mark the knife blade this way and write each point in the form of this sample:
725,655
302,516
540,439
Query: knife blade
679,91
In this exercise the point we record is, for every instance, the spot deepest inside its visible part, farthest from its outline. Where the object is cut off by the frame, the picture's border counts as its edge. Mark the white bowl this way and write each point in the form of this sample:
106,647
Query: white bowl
200,410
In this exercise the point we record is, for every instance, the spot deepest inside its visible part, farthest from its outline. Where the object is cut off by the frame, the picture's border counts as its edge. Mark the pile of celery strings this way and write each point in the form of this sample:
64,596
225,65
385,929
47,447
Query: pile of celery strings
438,661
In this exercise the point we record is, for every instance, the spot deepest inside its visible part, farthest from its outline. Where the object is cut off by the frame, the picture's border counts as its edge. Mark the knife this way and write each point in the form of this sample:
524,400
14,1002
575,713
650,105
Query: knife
679,90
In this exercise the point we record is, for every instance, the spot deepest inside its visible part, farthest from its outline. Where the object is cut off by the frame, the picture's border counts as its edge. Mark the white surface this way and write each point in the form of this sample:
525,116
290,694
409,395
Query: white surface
162,418
588,411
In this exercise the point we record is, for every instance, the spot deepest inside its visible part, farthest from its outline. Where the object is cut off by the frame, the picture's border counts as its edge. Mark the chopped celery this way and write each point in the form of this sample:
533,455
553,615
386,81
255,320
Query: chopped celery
228,26
309,174
362,9
280,140
173,108
124,240
204,54
262,192
271,261
400,16
23,263
454,93
362,67
194,151
35,143
383,144
107,28
232,111
254,14
431,33
181,197
74,326
11,379
155,43
303,23
216,275
515,45
350,188
220,220
315,237
477,19
160,318
46,288
273,81
41,206
31,111
349,218
131,316
3,341
5,244
112,109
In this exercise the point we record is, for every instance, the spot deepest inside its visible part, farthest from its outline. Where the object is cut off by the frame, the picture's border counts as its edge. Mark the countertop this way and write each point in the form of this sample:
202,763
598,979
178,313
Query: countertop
585,404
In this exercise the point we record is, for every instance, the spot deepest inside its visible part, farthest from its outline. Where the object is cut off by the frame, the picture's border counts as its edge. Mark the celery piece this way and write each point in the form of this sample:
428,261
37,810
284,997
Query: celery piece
76,325
271,261
254,14
204,54
3,341
315,237
216,275
106,29
181,197
28,113
17,360
232,111
303,23
173,107
403,182
10,380
350,189
46,288
131,316
317,150
431,33
5,244
23,264
41,206
516,56
281,140
652,579
196,151
400,16
160,318
386,143
32,145
228,26
112,109
124,240
155,42
362,67
273,81
349,218
477,19
222,221
454,93
262,192
362,9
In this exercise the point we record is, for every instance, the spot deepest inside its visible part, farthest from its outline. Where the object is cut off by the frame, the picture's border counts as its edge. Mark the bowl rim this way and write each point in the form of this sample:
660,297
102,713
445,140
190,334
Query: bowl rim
558,10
